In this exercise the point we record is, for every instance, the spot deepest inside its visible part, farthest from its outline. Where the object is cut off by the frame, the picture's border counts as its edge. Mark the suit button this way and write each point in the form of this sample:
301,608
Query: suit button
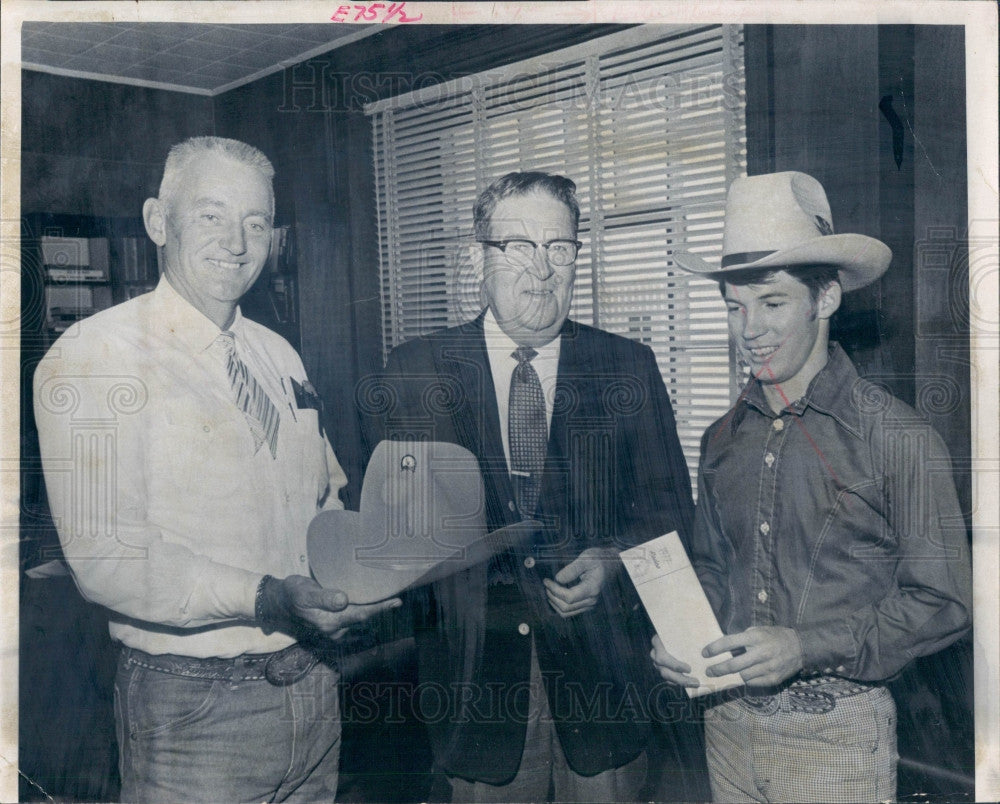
523,629
529,562
511,506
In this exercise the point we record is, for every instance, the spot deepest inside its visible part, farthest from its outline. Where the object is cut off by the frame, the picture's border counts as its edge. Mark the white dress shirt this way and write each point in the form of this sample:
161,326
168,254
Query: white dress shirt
500,348
167,514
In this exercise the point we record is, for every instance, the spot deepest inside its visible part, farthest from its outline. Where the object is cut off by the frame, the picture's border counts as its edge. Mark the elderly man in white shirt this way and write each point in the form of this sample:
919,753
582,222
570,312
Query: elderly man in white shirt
184,458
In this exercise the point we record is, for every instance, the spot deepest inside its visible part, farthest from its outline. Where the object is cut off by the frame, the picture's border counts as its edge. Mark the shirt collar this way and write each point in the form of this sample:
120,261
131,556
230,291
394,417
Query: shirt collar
831,392
500,344
190,326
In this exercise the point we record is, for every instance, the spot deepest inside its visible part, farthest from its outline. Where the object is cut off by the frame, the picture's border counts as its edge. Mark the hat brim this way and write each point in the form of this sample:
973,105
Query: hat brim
860,259
369,568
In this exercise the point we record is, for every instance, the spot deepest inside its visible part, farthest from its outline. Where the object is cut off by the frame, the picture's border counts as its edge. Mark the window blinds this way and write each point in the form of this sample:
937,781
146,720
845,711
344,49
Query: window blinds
648,122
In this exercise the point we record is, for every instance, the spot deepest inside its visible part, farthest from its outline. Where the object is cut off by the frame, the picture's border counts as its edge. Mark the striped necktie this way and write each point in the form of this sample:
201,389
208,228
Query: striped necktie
257,407
527,430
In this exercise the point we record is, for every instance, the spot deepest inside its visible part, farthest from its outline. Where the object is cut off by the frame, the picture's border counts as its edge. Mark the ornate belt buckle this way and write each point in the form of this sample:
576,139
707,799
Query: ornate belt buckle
286,667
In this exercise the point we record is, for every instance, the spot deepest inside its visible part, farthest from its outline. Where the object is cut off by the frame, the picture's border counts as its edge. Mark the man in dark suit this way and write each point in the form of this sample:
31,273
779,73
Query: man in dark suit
537,660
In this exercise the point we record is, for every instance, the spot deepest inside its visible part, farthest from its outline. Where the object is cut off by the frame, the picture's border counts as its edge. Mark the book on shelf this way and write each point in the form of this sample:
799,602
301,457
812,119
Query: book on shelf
75,259
67,304
60,319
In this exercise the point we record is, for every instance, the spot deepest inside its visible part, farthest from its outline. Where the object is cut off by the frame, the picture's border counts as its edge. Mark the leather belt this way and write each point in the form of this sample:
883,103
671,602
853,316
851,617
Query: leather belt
812,694
282,668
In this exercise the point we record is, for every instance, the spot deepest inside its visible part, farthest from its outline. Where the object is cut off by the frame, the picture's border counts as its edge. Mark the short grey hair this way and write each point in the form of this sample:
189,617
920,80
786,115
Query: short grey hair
519,184
184,153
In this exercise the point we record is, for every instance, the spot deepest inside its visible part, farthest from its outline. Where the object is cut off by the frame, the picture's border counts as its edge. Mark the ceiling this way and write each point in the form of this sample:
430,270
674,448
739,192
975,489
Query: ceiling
183,57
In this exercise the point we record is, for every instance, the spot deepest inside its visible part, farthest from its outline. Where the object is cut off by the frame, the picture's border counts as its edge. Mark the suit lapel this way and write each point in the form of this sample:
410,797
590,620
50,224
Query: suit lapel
476,421
573,368
569,357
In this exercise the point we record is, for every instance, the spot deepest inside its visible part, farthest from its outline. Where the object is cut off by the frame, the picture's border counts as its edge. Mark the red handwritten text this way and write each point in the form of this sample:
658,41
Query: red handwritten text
375,12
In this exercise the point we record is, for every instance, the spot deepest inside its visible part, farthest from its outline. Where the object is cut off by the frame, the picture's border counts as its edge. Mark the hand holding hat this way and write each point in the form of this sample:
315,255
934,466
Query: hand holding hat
298,605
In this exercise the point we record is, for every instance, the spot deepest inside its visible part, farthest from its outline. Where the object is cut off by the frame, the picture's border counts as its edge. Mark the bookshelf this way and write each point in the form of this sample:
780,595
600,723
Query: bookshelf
77,265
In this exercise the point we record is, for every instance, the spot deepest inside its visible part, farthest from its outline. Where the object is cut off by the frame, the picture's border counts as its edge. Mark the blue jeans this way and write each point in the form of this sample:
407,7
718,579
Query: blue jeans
210,739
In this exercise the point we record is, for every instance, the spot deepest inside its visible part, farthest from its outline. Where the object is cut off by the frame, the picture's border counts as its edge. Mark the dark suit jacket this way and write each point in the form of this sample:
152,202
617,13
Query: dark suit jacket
614,476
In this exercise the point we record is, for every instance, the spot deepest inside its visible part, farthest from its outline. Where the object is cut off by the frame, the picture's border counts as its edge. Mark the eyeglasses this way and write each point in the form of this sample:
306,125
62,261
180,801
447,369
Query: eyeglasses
522,252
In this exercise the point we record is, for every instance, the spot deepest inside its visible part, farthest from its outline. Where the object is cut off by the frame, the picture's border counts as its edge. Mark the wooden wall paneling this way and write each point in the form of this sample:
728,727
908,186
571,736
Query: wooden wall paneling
94,148
330,342
937,727
823,108
758,56
363,278
941,257
895,154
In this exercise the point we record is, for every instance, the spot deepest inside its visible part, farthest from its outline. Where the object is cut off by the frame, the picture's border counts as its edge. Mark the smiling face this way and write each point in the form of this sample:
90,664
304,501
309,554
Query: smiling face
530,302
215,232
781,332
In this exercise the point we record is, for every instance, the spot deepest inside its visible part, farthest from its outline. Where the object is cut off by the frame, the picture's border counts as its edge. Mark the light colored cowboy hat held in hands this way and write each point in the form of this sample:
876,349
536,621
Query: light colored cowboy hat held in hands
423,517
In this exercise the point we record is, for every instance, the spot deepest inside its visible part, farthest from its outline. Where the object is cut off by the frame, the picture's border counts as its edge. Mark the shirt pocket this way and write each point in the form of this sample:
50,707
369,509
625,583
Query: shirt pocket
308,470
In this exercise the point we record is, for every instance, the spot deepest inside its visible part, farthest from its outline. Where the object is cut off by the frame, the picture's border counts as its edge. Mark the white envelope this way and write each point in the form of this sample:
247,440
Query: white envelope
672,595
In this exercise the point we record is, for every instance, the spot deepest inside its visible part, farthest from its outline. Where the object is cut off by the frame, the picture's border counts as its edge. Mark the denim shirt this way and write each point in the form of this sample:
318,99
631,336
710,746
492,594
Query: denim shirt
838,518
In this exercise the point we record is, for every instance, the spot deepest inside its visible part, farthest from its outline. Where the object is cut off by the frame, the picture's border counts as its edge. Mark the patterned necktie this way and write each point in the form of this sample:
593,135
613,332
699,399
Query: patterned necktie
257,407
527,431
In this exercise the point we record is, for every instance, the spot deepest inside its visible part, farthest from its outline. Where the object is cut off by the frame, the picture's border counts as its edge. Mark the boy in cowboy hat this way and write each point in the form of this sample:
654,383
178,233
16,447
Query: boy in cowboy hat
828,535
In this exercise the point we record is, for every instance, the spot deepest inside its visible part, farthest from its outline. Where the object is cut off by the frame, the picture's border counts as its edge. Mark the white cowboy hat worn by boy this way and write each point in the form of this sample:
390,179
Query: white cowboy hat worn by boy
780,220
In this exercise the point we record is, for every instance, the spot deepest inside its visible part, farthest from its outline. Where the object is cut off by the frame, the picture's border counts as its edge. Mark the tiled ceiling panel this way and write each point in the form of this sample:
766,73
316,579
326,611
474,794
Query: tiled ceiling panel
186,57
